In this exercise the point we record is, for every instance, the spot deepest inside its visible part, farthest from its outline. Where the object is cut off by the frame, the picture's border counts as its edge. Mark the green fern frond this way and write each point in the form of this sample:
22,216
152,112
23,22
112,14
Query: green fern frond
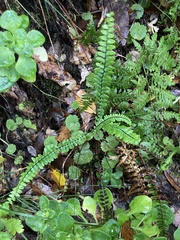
111,118
110,124
164,218
50,153
104,65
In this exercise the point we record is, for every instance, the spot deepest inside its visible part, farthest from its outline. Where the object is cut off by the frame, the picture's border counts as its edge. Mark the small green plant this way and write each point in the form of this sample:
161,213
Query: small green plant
17,47
12,125
9,226
56,220
148,218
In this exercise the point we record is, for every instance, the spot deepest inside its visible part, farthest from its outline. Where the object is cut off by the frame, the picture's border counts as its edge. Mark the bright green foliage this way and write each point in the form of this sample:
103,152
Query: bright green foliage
11,148
16,40
138,31
148,218
55,220
104,61
8,226
177,234
143,91
89,35
104,66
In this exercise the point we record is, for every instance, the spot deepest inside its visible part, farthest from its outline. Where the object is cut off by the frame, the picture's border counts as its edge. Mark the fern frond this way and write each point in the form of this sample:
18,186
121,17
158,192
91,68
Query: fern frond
164,218
111,118
50,153
110,124
104,65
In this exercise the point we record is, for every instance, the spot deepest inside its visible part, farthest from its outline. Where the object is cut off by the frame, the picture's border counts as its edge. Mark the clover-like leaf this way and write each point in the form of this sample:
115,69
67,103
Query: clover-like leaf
138,31
72,123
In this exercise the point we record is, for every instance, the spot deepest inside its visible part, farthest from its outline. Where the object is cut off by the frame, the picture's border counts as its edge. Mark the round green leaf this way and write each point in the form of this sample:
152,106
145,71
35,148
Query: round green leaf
74,172
11,124
139,10
19,120
72,123
11,149
177,234
5,84
35,38
138,31
7,57
26,67
25,21
9,20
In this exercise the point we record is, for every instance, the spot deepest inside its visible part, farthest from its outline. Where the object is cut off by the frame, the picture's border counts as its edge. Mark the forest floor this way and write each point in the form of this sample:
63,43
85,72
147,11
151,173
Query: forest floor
47,102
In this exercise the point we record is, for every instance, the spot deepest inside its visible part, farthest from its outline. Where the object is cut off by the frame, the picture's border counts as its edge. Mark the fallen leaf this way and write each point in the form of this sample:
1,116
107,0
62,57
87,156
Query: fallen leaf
58,178
127,232
64,133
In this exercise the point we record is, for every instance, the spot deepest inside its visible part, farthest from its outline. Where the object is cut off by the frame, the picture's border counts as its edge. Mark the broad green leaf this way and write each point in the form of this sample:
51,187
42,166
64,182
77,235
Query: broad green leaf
139,10
6,58
51,140
64,222
112,228
74,172
44,203
11,124
35,38
5,236
83,157
20,34
26,67
10,20
37,223
140,204
97,235
74,207
89,205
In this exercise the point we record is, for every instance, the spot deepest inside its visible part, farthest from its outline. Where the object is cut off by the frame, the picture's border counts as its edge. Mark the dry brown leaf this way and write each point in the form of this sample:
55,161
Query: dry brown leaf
51,70
63,134
127,232
81,54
